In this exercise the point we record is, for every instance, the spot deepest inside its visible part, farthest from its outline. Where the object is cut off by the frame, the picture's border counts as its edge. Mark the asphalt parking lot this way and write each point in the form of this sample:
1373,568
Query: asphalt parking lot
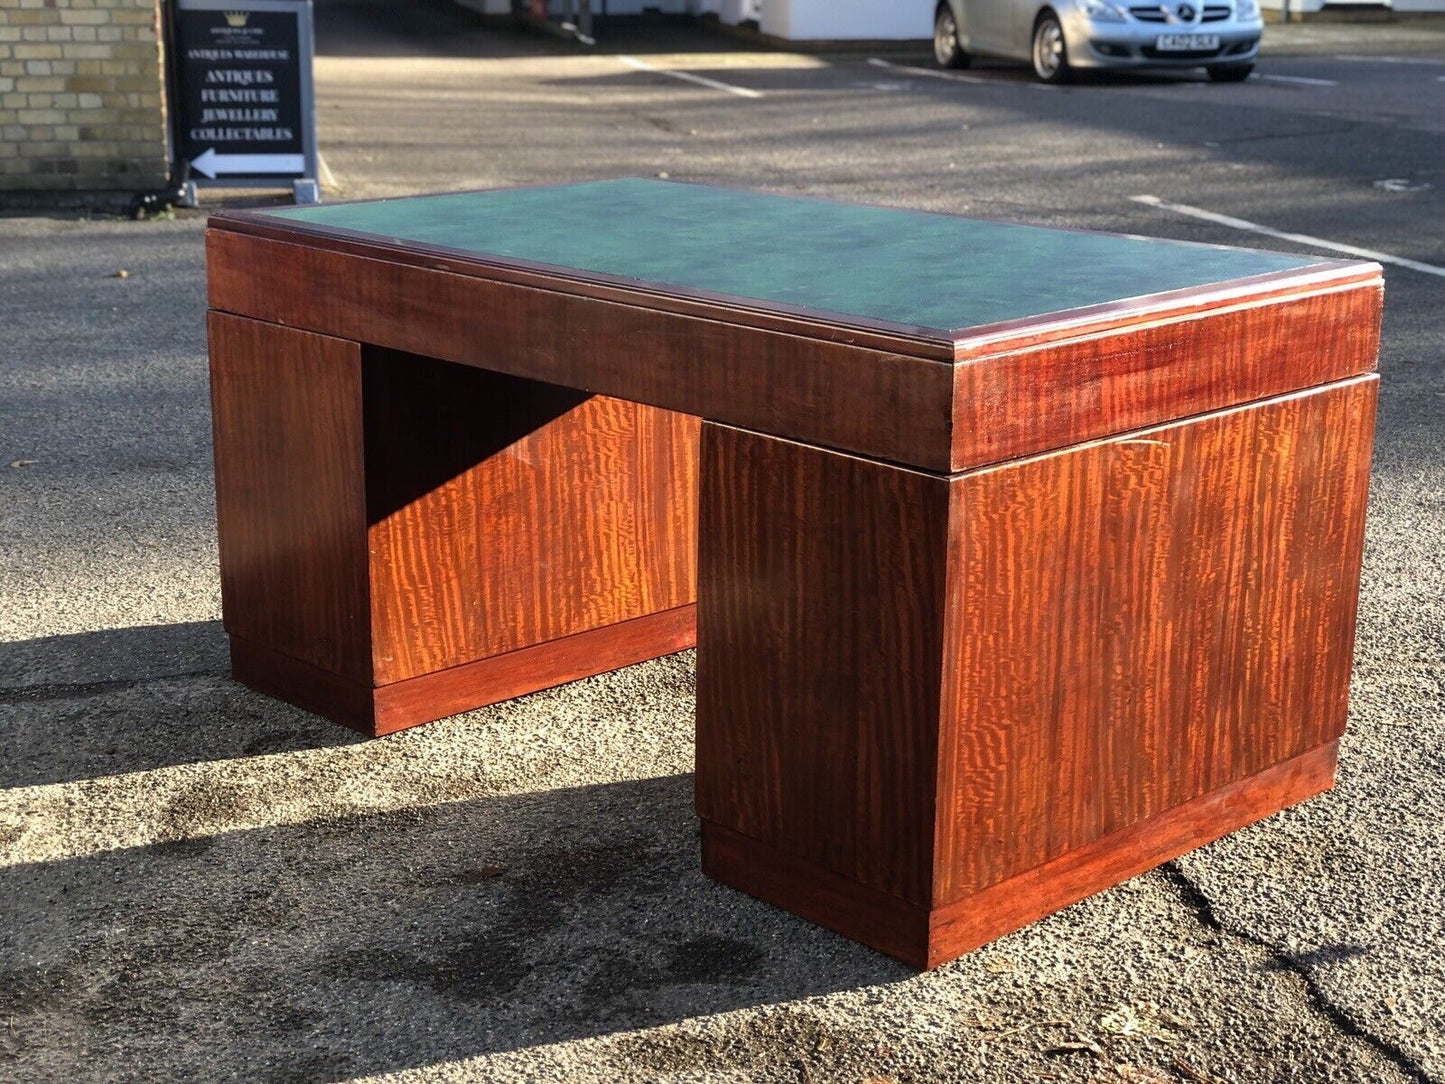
204,884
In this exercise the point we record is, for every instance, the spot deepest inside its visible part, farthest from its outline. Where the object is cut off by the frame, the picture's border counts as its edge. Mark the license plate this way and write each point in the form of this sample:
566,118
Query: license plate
1186,43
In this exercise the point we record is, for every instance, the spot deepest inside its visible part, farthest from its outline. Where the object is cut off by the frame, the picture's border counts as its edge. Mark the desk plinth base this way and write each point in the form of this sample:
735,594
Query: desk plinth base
385,709
926,938
932,708
403,538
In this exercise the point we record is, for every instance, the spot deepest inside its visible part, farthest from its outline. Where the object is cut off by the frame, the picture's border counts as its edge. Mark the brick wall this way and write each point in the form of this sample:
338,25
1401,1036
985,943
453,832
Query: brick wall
81,105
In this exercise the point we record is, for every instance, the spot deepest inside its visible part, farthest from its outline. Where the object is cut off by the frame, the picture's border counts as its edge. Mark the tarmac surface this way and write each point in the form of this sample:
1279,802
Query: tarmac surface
200,883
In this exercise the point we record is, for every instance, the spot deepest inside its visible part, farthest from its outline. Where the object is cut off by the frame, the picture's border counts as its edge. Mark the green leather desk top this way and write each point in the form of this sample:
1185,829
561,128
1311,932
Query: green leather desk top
911,268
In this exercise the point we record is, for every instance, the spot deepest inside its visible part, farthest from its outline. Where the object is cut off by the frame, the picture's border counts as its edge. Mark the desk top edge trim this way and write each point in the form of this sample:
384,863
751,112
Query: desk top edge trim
1008,336
948,345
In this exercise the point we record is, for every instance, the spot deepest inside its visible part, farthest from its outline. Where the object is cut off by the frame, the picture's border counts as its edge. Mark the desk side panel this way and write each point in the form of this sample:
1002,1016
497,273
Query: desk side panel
1141,621
286,413
820,626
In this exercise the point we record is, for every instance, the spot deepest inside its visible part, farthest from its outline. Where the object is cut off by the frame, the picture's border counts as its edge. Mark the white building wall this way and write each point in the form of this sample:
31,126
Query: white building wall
731,12
802,20
614,7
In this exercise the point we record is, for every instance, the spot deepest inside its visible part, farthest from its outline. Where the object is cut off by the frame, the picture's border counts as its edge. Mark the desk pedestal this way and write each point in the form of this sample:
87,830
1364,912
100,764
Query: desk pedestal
403,538
932,708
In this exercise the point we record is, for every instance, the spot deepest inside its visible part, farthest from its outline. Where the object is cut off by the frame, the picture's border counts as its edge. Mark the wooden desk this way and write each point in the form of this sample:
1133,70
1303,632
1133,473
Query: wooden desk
1028,558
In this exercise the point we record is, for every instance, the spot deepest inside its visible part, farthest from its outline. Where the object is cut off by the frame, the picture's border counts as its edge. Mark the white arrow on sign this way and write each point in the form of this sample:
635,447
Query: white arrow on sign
211,164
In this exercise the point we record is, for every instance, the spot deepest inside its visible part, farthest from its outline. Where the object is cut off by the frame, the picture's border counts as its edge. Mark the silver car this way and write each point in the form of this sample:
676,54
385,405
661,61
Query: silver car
1060,36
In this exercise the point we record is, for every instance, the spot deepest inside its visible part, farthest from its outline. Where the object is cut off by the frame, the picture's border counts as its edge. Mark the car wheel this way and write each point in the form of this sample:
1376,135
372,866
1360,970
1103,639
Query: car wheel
1229,73
946,49
1051,57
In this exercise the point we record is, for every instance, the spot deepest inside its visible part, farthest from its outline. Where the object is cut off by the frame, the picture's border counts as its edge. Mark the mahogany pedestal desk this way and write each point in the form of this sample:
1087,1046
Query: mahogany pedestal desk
1018,560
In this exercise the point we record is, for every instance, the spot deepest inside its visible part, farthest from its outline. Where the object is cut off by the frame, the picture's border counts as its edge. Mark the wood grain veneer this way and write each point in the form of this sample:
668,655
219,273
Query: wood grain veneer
387,518
886,404
942,403
1133,623
820,646
1032,398
506,513
290,504
930,685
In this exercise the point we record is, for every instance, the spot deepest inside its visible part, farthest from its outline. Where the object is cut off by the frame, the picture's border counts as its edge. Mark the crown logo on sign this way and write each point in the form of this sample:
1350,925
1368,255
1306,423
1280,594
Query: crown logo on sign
237,18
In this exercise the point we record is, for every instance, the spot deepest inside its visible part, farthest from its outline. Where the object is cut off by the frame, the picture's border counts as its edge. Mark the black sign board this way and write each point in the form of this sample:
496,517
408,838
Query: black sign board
244,112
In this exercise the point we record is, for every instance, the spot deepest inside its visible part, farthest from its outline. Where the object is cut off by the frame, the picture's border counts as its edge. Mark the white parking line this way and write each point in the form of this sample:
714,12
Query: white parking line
951,77
1297,238
700,80
1390,59
1300,79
